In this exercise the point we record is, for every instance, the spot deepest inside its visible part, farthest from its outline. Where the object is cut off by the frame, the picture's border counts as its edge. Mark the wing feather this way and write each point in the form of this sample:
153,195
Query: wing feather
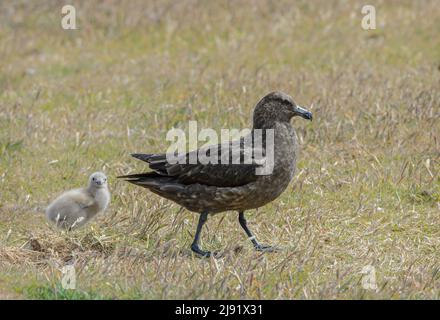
235,172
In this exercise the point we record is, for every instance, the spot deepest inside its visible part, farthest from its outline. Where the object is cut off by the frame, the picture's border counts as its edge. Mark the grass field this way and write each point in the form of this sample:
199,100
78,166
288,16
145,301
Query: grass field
367,188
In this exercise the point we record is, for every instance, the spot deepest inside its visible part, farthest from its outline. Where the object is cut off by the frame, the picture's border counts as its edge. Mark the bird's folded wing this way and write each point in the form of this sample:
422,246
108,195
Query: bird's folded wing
82,199
235,165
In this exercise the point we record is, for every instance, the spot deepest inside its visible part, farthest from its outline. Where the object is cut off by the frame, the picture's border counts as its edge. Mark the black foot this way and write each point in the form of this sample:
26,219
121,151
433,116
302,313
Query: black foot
264,248
204,254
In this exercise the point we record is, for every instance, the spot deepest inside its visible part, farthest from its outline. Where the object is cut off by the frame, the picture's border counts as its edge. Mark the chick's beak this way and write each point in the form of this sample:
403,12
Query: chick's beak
299,111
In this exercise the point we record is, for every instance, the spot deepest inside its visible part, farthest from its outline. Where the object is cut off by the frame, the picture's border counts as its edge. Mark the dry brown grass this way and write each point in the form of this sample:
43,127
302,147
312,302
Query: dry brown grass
367,190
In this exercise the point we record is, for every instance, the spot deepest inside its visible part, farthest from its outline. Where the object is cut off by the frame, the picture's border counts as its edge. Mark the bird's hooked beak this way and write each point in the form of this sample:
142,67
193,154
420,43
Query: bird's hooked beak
303,113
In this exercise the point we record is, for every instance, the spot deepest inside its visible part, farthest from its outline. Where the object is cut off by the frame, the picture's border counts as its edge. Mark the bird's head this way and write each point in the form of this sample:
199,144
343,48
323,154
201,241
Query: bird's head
277,106
98,180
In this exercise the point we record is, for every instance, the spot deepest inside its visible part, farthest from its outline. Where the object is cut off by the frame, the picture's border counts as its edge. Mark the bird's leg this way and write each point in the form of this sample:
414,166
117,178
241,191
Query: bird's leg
195,245
257,245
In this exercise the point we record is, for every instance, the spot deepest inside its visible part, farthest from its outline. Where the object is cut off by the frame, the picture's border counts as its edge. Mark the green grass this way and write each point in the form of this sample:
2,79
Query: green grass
367,188
58,293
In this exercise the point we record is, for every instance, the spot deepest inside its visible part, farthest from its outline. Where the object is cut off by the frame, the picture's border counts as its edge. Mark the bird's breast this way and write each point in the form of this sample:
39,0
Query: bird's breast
285,150
102,198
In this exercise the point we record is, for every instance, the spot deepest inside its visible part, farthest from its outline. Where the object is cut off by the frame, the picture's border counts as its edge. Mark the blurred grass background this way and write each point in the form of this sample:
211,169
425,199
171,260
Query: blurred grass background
367,188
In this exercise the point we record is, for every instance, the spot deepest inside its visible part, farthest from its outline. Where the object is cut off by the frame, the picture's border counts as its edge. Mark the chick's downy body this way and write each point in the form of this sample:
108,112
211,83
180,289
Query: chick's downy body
76,207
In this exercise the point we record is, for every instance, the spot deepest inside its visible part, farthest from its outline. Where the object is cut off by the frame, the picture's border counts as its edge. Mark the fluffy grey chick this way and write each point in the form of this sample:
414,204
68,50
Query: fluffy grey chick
76,207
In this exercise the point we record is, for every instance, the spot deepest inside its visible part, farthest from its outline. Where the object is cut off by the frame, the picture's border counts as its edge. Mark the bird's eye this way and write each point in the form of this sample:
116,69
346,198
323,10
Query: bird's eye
93,179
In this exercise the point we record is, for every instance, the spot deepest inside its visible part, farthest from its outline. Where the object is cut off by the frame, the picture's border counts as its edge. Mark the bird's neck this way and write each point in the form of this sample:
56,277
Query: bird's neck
282,131
273,124
262,123
96,191
101,196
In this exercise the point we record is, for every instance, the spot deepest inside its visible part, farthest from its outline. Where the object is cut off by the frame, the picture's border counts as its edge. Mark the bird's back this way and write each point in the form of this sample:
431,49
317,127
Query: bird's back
71,206
221,187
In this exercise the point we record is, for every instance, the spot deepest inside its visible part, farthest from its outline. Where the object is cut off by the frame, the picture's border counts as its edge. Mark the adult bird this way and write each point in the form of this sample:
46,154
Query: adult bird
214,187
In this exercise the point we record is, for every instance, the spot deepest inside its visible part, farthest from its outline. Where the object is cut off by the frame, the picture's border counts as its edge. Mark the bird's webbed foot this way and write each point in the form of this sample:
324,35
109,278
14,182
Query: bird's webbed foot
202,253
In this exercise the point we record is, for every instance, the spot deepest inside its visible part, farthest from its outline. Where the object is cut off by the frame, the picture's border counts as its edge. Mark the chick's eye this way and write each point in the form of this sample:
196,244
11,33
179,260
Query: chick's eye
93,179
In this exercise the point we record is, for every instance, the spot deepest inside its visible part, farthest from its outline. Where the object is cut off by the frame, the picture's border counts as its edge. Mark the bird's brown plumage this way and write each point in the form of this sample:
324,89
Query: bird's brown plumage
213,188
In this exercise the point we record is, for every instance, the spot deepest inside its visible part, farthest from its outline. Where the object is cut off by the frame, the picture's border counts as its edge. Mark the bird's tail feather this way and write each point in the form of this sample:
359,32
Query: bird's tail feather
143,156
140,176
148,179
